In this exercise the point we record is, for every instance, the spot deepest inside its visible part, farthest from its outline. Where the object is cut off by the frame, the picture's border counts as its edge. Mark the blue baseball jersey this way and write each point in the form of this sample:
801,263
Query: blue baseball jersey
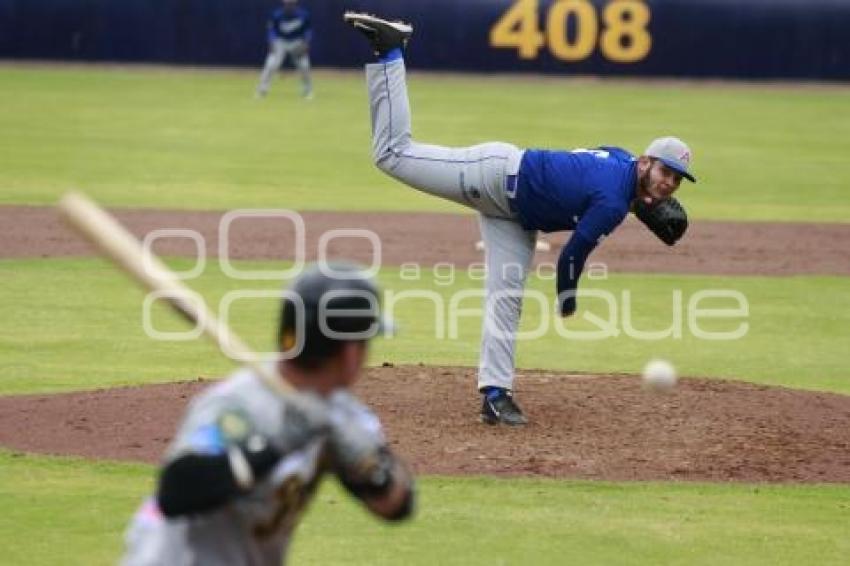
290,25
587,191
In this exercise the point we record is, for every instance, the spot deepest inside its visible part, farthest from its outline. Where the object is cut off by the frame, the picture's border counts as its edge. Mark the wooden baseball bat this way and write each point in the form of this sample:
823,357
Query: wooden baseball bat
124,249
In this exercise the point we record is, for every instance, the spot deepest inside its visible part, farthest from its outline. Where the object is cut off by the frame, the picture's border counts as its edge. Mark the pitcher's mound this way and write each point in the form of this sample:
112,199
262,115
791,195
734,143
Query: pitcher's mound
581,426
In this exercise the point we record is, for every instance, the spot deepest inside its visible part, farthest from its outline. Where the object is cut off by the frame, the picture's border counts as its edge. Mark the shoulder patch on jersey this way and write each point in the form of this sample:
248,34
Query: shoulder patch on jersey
235,426
230,428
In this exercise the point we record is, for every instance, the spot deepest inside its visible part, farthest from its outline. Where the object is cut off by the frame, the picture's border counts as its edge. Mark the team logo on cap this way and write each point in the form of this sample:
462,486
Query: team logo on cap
686,157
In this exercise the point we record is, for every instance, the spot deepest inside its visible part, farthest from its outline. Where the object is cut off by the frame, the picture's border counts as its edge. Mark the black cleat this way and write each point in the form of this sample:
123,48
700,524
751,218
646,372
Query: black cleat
503,410
384,35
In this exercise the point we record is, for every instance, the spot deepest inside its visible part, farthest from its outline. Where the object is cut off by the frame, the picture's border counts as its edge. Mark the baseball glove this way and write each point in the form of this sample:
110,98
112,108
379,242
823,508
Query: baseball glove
666,219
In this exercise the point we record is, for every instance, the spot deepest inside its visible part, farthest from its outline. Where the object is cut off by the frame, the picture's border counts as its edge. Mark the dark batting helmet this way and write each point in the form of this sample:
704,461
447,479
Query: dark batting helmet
325,306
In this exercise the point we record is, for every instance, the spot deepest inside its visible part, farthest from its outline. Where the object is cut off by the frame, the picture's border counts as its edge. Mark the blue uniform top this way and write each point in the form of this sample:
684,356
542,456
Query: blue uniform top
290,25
587,191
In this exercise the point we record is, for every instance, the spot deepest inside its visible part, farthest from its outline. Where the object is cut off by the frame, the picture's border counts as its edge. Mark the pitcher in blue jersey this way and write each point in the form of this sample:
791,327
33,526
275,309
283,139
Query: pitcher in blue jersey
290,32
517,193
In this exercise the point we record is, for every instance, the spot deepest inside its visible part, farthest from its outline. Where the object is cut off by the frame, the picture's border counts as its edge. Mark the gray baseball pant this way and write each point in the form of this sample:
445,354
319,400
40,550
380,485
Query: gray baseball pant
476,177
278,50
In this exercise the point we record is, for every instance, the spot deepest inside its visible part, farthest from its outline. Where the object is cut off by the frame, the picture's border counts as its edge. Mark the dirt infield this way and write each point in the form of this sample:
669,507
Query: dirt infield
582,426
771,249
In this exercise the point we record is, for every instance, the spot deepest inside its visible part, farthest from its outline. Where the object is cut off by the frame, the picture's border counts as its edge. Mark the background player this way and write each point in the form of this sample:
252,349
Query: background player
245,462
517,193
290,33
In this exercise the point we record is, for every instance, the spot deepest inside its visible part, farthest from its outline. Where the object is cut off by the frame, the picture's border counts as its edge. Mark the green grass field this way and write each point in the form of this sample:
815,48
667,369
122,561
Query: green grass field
81,508
196,139
56,341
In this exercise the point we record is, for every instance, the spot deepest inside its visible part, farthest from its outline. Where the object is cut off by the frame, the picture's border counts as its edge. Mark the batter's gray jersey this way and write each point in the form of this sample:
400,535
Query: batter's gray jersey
255,528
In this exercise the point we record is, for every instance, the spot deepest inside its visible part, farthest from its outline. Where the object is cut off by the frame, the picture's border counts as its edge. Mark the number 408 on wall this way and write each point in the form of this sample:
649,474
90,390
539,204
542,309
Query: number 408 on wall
623,36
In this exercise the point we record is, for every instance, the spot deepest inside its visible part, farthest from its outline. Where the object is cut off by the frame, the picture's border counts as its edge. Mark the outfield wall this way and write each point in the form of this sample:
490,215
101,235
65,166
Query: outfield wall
804,39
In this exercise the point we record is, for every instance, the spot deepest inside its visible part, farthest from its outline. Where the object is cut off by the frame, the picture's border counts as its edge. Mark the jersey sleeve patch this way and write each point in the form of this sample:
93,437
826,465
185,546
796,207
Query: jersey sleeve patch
235,426
230,428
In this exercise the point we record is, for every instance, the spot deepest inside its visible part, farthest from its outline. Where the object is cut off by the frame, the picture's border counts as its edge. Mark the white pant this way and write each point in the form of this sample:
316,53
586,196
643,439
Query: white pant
278,50
476,177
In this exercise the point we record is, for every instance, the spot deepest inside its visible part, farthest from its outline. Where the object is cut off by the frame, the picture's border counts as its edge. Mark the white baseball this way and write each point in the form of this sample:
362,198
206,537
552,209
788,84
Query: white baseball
659,375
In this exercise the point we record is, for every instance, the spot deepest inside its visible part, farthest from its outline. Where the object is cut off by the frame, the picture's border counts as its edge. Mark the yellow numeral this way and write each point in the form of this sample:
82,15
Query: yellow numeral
587,29
626,38
518,28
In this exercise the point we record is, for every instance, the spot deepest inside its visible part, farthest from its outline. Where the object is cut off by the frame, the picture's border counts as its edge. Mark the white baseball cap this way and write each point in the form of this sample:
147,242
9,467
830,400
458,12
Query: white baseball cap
674,153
